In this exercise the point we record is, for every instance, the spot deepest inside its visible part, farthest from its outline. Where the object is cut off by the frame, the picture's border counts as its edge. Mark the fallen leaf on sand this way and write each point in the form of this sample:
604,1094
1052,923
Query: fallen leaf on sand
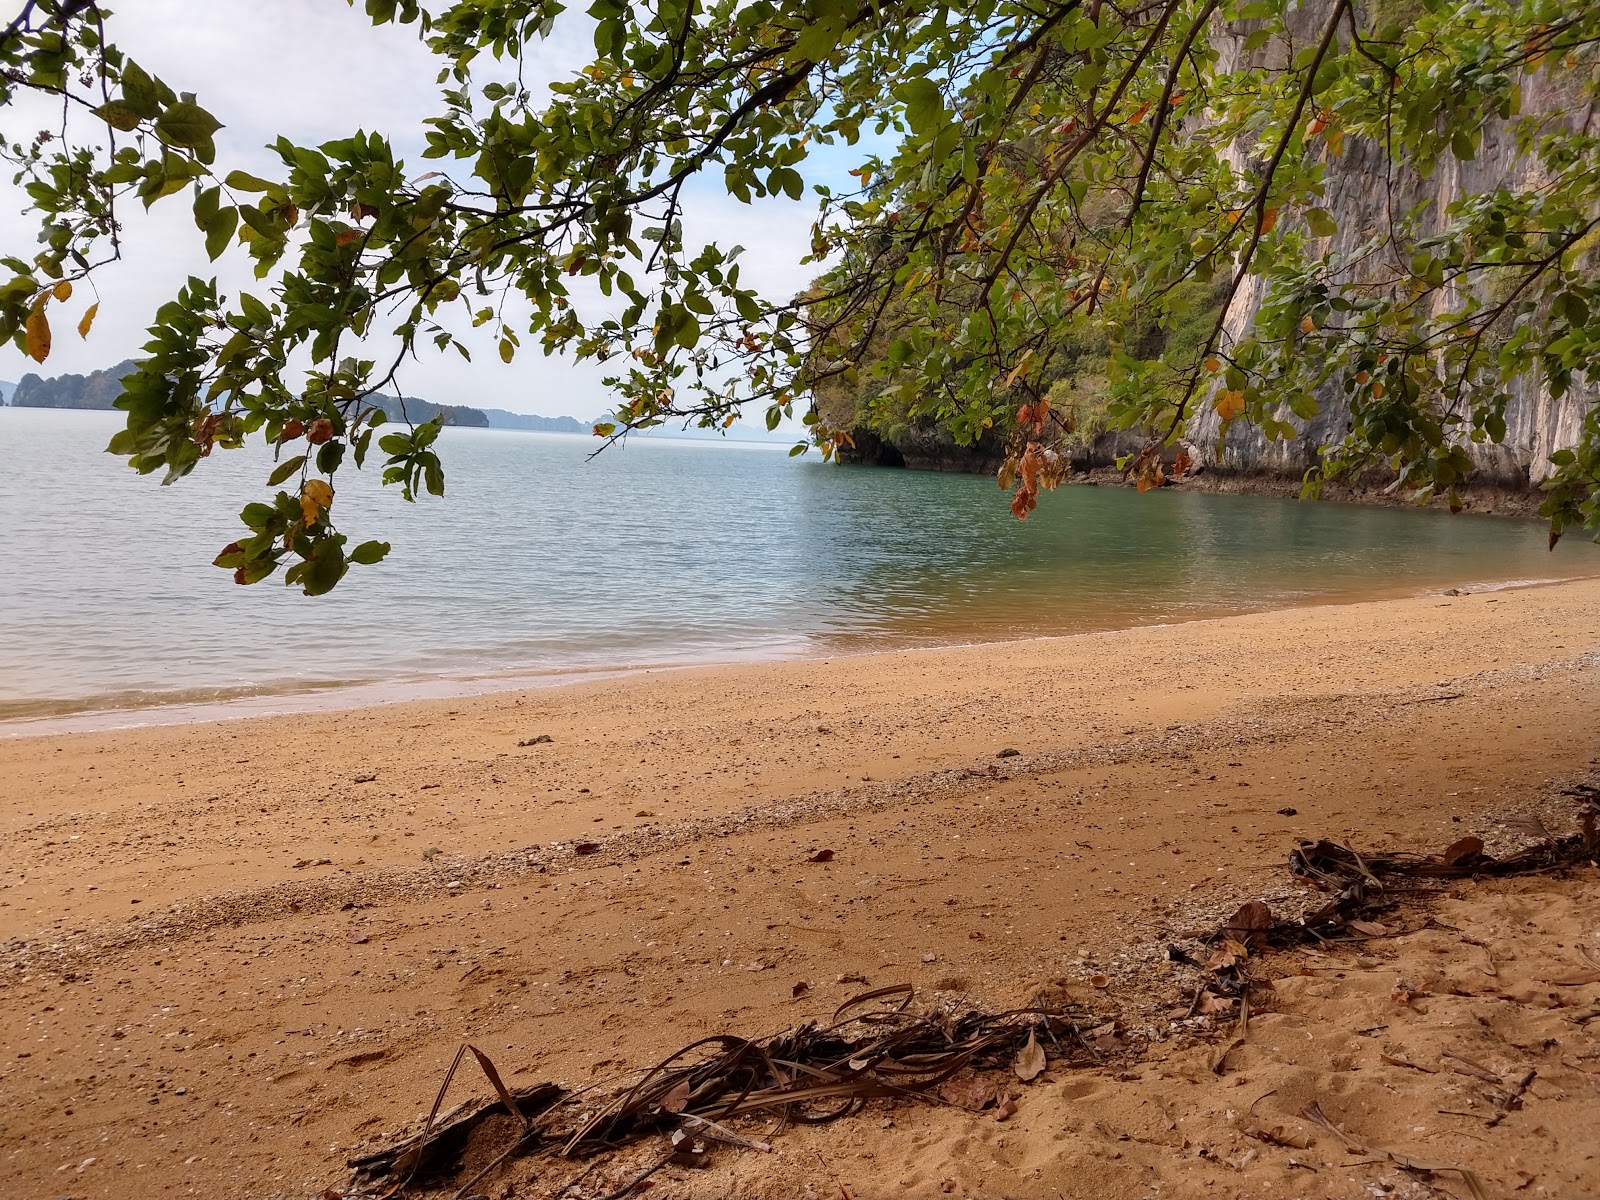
1030,1060
800,989
1006,1110
1465,848
971,1092
1211,1003
1370,928
821,856
356,939
1250,924
1279,1136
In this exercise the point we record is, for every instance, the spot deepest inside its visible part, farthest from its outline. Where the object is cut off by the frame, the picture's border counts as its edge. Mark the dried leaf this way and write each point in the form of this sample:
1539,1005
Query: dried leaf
800,989
1369,928
821,856
1465,848
315,499
1249,925
37,332
676,1100
971,1092
1030,1061
1006,1109
1211,1003
1279,1136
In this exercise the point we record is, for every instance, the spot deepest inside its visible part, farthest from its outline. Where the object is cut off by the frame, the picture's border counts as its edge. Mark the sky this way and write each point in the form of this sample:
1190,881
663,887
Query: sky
314,70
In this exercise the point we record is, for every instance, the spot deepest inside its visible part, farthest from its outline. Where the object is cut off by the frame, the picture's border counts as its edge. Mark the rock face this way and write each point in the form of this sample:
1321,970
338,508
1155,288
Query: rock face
1537,423
1358,198
923,448
97,390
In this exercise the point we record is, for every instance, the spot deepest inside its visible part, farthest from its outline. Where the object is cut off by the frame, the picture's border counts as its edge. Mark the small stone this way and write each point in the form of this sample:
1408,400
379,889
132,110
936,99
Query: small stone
930,957
539,740
1009,752
367,777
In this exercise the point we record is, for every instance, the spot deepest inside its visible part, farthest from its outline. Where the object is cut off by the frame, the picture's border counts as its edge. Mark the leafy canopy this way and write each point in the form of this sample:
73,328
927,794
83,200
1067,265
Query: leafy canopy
1030,172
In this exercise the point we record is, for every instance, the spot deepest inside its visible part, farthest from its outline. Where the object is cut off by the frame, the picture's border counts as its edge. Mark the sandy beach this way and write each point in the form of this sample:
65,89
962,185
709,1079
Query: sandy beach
235,951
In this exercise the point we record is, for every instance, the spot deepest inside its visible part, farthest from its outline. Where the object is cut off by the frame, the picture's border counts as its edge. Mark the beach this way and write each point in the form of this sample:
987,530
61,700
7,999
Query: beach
236,950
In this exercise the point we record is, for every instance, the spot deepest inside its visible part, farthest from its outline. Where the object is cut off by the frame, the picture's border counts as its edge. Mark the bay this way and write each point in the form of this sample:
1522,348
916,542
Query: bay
544,563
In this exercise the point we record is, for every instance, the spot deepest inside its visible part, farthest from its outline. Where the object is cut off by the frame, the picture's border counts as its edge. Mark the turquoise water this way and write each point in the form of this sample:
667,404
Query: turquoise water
540,561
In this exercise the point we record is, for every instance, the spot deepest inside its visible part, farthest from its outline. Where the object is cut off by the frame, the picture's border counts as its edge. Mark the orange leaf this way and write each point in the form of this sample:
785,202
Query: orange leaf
1213,364
315,498
62,290
37,330
1268,220
1307,325
1229,405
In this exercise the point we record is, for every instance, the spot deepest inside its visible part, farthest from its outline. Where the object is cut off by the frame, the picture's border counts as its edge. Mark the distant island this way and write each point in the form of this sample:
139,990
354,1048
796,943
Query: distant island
97,390
101,389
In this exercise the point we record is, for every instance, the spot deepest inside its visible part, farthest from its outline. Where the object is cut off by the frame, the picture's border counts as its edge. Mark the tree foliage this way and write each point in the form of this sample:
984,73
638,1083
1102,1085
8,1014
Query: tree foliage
1032,173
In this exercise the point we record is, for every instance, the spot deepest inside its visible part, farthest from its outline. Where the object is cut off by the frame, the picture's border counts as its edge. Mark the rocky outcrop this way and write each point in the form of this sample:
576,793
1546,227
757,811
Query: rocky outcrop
1359,187
99,389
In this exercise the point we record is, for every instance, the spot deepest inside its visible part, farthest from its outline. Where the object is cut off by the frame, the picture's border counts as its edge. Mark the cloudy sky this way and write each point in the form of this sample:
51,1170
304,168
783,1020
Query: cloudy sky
315,70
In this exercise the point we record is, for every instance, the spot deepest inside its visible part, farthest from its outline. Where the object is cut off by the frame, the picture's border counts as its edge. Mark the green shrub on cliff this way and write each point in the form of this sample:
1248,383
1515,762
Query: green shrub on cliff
1040,186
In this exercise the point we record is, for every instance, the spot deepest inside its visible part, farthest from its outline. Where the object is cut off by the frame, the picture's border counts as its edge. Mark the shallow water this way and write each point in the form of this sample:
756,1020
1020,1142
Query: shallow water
541,561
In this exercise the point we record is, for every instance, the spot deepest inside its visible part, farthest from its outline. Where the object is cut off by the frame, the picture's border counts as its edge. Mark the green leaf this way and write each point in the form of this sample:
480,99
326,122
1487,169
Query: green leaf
243,181
1320,223
368,553
119,115
220,230
188,125
925,111
286,469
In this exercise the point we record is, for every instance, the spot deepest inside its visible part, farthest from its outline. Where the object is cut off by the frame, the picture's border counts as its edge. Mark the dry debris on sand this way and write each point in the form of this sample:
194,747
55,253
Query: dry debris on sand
704,1110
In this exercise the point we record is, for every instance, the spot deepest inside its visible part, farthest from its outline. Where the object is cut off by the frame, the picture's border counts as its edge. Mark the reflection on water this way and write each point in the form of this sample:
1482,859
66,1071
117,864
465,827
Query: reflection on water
539,560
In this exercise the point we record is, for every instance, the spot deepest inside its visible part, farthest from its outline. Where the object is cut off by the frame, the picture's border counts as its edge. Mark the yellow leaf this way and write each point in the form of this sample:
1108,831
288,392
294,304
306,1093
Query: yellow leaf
1268,220
38,332
1016,371
1307,325
1229,405
315,498
88,320
63,290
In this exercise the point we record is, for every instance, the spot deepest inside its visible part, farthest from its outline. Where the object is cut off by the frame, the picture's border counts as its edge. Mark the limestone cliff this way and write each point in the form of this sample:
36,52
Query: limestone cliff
1362,192
1359,198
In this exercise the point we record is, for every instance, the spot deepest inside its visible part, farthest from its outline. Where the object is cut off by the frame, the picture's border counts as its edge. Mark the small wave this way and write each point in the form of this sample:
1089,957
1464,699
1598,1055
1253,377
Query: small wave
145,698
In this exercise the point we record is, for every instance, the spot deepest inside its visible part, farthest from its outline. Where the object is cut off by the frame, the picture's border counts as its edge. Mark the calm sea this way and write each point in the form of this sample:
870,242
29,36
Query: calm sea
541,563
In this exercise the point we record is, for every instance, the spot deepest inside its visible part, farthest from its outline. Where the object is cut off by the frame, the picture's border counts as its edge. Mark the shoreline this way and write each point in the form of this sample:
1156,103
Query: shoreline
340,696
237,952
